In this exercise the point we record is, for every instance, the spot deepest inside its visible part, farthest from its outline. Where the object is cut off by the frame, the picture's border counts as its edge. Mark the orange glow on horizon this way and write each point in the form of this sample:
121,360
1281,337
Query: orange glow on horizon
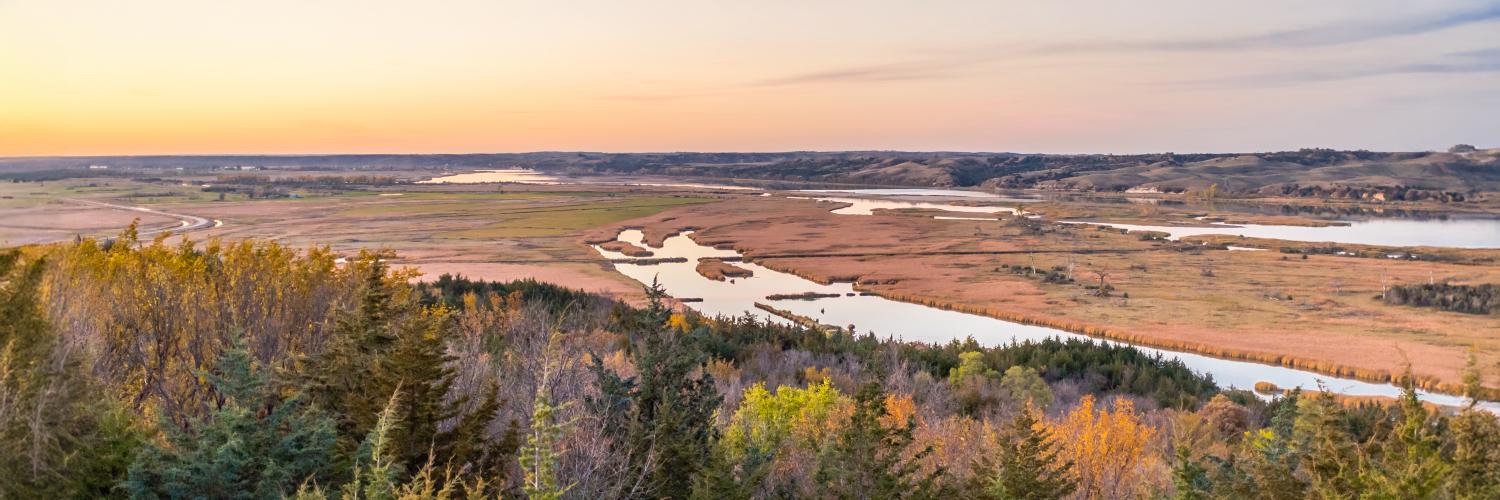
177,77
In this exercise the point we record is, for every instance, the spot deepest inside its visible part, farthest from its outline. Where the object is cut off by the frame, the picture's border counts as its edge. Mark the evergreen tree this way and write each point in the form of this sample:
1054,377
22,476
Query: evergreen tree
539,455
1476,443
1332,454
1408,464
1031,467
1267,463
254,445
1189,478
660,421
391,341
1476,455
376,476
869,460
58,436
734,478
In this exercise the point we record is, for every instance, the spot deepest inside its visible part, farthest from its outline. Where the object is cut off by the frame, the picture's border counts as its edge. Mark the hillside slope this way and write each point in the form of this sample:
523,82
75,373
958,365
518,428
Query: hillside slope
1308,172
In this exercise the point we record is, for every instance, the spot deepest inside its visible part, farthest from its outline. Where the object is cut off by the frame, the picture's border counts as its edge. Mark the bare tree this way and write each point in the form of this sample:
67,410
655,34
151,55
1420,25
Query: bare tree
1103,275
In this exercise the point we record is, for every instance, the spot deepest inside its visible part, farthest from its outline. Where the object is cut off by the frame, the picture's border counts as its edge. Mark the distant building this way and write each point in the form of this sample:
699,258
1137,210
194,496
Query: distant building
98,167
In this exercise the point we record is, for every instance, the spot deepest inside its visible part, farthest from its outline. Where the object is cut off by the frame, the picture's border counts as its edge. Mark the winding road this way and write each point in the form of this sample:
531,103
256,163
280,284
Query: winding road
189,222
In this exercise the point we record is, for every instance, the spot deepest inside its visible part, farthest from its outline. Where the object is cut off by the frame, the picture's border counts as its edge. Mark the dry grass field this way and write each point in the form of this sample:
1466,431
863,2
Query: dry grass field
478,231
43,212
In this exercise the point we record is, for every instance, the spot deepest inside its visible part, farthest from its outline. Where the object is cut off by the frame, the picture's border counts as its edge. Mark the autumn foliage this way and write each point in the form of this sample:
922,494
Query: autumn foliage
250,369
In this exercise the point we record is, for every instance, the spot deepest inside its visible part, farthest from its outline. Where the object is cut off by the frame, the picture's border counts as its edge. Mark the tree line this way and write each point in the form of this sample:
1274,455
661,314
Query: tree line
1471,299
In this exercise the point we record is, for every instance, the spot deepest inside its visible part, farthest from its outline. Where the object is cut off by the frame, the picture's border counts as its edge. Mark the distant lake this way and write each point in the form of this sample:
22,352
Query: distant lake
866,206
513,175
1452,233
528,176
953,193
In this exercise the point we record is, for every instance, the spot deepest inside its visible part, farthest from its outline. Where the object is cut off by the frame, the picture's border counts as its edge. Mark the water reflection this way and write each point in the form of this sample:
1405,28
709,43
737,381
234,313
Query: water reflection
512,175
951,193
866,206
528,176
920,323
1453,232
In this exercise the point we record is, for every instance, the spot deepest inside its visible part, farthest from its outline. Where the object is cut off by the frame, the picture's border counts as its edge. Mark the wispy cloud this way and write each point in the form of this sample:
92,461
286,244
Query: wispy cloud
1311,37
957,62
1396,69
1454,63
910,70
1490,53
1336,34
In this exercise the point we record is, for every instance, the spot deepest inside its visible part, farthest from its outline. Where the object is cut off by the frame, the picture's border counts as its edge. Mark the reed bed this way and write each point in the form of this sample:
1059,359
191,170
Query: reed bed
1286,360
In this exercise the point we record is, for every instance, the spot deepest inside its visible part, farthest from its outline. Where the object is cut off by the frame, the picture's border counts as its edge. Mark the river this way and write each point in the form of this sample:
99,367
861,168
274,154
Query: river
913,322
1453,232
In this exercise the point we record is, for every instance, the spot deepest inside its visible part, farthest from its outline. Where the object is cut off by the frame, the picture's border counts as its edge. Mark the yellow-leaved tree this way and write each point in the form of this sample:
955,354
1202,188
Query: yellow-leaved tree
1108,448
789,426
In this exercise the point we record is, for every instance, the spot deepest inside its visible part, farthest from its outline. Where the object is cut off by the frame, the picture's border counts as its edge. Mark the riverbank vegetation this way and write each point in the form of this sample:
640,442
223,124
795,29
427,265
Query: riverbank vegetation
1471,299
249,370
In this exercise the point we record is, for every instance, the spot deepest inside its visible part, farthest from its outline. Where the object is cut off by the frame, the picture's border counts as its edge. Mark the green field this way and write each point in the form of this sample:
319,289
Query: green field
553,221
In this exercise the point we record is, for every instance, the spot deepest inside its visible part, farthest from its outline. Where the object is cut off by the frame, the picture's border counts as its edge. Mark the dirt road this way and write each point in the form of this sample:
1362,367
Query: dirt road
189,222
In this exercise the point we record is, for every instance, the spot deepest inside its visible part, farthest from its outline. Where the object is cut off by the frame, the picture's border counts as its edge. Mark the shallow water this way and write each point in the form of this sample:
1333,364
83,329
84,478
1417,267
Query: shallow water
1455,233
866,206
529,176
915,322
689,185
512,175
952,193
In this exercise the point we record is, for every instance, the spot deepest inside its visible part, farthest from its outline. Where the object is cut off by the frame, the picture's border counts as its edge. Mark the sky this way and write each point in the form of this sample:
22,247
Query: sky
108,77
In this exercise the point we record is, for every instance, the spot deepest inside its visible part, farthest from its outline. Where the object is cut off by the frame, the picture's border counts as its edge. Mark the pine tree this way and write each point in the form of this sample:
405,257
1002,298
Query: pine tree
255,445
540,454
31,459
388,341
58,436
1476,442
375,475
1476,455
1189,478
1030,463
1409,463
1274,456
661,422
735,477
869,460
1332,455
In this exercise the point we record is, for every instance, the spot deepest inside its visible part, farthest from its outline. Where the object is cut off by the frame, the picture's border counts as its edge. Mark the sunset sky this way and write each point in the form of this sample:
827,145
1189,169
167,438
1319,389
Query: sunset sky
330,76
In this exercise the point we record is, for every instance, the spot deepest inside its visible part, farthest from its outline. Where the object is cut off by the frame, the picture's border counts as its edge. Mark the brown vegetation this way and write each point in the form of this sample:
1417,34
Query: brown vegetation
1324,320
718,270
626,248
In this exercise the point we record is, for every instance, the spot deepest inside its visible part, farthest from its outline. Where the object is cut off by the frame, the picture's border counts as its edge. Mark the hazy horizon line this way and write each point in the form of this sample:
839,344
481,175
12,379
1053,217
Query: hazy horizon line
664,152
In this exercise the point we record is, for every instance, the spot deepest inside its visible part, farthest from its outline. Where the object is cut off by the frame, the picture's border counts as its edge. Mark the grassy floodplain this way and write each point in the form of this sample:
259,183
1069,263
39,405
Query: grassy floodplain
1319,313
502,233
